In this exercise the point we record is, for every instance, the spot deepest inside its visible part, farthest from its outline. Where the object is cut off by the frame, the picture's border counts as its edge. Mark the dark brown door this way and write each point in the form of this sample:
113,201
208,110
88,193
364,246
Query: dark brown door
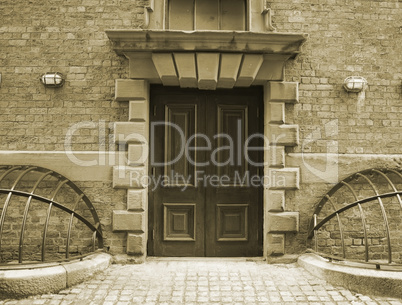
205,198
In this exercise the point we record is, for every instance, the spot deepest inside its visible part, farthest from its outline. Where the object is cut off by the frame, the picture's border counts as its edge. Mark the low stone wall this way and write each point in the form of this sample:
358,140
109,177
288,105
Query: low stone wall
50,278
365,281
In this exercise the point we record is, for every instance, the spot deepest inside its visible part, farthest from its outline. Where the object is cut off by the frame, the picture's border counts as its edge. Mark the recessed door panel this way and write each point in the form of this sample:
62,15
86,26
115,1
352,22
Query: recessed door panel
231,134
180,127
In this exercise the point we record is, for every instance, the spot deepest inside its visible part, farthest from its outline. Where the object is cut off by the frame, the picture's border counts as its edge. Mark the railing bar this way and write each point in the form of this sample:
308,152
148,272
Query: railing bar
366,254
27,205
384,215
10,193
395,172
60,206
94,241
351,205
70,226
9,171
340,226
391,183
88,204
315,233
91,209
45,231
49,210
363,218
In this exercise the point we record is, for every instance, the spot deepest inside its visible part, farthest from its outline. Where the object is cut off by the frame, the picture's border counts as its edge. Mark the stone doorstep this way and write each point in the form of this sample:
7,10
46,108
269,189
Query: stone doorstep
361,280
19,283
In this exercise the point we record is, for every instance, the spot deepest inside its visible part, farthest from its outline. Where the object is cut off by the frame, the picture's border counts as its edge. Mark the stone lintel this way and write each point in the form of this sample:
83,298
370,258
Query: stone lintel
287,92
229,69
249,69
130,90
128,221
283,222
208,71
186,69
165,66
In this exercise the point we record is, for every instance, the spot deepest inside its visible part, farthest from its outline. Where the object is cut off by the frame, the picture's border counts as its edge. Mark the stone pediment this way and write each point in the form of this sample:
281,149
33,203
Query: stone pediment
206,59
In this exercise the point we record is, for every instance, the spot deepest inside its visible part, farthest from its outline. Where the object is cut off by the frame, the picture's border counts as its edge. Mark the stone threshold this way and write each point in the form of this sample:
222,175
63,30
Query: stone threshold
206,259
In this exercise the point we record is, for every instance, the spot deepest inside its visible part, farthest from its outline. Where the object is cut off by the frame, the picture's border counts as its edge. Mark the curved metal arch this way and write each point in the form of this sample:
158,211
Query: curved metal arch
340,184
23,171
381,172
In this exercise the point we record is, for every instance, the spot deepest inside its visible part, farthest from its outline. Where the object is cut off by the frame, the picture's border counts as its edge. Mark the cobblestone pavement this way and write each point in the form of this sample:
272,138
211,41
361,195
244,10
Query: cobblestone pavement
204,282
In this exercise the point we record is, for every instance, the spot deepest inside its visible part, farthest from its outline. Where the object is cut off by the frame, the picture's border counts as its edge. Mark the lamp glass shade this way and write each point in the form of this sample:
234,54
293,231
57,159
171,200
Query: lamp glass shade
355,84
52,79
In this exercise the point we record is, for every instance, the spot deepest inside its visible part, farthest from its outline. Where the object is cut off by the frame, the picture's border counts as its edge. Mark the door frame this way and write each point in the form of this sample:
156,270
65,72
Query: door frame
280,221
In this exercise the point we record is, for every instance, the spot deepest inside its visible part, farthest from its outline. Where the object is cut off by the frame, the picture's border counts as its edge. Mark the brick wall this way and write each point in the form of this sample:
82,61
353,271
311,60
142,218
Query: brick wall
346,38
67,37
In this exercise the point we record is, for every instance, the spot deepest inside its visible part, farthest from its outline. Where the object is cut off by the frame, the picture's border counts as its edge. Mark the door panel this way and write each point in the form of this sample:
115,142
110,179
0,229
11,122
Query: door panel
182,125
177,206
207,206
232,130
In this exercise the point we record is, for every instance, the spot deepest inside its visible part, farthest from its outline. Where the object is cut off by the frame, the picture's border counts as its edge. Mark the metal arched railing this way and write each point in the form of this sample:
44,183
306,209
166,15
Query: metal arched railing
24,182
356,191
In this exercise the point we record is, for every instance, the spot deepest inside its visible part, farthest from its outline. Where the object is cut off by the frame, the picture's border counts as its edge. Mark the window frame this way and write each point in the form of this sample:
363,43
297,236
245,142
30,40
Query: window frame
246,16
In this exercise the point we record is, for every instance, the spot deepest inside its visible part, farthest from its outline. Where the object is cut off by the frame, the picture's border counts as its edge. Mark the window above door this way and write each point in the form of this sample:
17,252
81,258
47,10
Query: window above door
190,15
208,15
206,44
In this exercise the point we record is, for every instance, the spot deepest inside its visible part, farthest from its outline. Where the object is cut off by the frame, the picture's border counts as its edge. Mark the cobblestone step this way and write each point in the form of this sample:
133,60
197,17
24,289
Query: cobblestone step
205,281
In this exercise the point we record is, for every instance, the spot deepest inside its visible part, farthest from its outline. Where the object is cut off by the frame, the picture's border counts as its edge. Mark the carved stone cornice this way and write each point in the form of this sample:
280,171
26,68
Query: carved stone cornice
200,41
206,59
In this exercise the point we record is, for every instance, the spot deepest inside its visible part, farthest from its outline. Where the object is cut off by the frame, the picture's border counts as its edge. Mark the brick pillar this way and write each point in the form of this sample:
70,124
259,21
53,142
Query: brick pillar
131,176
279,178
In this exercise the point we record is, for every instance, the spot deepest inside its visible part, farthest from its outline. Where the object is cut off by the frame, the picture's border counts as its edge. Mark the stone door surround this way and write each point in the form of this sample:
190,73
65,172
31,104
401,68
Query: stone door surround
206,60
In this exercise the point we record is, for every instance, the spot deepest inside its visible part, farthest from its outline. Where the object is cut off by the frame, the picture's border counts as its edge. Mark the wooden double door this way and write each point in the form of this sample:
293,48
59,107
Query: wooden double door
205,192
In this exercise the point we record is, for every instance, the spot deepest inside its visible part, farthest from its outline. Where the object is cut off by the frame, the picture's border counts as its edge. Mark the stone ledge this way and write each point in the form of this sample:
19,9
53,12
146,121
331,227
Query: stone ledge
365,281
50,278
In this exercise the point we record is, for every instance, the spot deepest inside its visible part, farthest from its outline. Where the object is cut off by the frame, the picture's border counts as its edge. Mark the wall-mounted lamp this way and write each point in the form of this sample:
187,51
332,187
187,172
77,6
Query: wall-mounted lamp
52,79
355,84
